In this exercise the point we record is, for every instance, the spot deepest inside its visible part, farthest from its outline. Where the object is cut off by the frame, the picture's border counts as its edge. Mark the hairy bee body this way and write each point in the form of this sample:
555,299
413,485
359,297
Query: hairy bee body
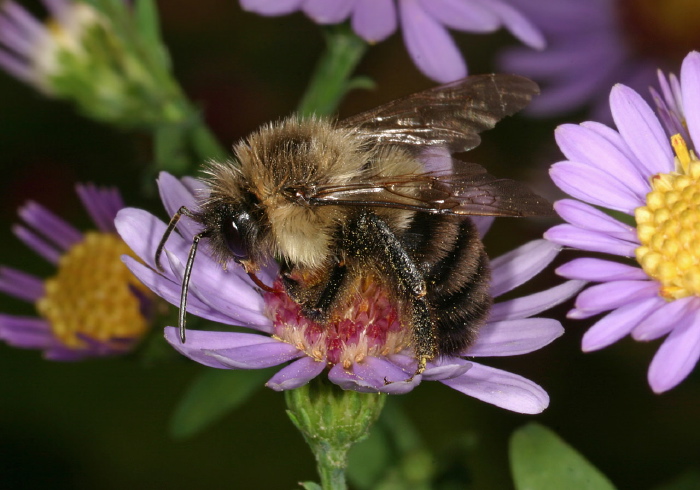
329,248
376,197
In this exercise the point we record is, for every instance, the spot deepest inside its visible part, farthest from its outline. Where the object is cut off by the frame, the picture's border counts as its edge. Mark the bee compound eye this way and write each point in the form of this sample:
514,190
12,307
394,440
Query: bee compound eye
234,240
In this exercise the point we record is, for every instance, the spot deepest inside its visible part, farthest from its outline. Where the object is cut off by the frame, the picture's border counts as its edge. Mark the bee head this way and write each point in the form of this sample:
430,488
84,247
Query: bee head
236,236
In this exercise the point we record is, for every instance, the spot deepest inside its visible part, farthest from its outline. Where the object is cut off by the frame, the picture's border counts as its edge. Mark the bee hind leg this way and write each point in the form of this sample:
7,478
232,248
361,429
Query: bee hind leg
374,240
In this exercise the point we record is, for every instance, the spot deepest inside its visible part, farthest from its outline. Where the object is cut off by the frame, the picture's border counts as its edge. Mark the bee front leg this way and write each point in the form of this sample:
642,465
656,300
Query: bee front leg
316,301
372,239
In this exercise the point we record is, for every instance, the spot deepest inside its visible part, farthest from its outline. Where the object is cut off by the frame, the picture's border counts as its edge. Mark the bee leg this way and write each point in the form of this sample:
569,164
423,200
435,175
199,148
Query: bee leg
325,302
374,240
318,307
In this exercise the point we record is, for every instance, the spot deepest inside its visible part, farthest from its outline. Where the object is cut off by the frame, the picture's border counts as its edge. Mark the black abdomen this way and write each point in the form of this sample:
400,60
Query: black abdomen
456,269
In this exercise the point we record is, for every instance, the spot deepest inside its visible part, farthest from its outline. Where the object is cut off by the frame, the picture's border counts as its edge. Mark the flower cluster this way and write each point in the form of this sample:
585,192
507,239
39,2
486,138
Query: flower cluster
647,169
424,24
592,45
95,57
361,353
92,306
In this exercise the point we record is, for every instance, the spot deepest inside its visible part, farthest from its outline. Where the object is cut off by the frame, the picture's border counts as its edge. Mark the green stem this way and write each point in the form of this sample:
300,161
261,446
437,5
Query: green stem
330,80
332,421
331,463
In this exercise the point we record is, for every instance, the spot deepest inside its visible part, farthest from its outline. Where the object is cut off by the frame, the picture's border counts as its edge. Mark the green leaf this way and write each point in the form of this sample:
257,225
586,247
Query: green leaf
688,480
369,459
541,460
211,396
310,485
147,21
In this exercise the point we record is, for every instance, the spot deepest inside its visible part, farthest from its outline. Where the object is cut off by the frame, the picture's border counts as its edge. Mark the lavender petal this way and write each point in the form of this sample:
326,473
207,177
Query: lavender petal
665,318
594,186
38,244
589,218
142,232
598,270
24,20
501,388
462,16
518,24
51,226
222,292
257,356
520,265
445,368
21,285
641,129
325,12
225,349
572,236
170,292
483,224
526,306
514,337
296,374
26,332
16,67
676,357
102,205
614,138
271,7
611,295
13,37
370,376
584,145
431,47
617,324
374,20
175,195
690,86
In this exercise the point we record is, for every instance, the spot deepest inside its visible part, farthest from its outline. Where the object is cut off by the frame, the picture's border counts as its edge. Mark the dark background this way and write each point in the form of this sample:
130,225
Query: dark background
103,423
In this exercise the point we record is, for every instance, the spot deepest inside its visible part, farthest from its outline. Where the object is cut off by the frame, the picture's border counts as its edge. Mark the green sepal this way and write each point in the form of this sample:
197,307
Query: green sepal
332,420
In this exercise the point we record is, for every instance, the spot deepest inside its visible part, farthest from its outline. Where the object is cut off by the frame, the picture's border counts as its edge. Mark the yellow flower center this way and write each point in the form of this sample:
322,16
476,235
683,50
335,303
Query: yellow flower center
93,294
669,227
667,29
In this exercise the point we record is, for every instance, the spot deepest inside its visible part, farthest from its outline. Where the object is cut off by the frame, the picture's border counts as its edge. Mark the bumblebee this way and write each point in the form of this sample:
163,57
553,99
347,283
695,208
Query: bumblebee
374,197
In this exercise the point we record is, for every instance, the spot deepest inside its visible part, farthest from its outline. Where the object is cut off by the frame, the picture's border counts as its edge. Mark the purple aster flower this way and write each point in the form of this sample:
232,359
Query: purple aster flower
425,25
639,171
93,306
30,49
359,353
594,44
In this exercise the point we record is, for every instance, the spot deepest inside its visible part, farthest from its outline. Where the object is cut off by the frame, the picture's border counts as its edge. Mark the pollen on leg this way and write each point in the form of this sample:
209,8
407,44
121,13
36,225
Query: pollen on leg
668,227
94,296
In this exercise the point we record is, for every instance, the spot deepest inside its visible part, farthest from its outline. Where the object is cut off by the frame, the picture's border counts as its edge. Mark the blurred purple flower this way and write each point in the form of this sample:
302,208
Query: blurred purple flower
359,353
594,44
93,306
30,49
424,24
634,171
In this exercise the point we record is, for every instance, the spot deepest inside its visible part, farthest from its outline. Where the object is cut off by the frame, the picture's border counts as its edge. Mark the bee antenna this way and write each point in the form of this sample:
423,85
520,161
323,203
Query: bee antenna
186,283
171,226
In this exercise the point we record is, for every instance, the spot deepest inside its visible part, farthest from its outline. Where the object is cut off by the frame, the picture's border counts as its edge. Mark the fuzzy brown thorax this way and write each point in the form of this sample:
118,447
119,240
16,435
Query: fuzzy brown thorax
301,152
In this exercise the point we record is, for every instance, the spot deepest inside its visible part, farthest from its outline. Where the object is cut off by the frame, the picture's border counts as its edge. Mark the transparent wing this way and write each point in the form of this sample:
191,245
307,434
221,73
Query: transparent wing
449,115
469,190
